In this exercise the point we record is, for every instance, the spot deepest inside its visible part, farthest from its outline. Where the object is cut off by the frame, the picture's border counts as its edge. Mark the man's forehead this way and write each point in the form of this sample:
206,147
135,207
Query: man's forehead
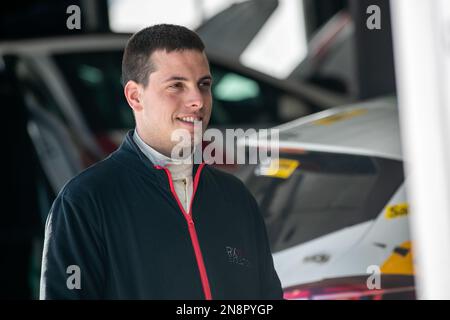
185,63
188,57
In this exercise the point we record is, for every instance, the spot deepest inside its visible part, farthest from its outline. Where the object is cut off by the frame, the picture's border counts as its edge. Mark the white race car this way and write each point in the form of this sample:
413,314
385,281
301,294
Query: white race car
336,207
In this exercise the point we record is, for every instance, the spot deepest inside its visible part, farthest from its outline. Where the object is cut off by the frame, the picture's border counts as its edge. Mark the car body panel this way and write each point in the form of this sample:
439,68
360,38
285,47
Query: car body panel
368,129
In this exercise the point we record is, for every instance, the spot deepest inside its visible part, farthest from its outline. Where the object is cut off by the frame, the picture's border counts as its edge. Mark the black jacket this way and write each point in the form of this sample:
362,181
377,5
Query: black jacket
120,223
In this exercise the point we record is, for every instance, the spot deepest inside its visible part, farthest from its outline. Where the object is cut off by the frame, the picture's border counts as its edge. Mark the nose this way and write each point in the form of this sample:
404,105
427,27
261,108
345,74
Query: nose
195,99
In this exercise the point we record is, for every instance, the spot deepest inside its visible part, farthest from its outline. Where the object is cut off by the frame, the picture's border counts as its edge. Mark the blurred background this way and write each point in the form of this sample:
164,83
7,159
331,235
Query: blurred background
321,71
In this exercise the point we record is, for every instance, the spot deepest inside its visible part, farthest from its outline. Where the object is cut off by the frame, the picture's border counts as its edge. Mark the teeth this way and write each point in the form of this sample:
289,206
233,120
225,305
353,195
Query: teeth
189,119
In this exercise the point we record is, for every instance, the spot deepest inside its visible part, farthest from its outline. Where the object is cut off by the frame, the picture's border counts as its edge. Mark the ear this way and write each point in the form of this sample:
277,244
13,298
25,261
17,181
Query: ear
132,91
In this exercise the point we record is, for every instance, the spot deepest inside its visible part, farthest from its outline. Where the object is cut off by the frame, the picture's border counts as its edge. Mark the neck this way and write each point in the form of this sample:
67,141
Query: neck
155,155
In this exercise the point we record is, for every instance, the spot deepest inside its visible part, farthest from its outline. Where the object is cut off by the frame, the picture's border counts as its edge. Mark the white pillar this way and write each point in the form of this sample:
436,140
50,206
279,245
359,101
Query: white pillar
421,30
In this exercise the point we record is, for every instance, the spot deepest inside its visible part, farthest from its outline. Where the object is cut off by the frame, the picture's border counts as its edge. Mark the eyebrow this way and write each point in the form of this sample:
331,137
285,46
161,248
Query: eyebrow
180,78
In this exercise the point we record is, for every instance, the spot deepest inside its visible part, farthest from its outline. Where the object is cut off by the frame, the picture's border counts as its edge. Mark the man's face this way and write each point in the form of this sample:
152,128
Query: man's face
178,91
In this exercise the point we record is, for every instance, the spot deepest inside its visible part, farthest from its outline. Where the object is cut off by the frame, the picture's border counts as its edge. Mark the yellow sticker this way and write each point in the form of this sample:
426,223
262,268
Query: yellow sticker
401,261
339,117
280,168
396,211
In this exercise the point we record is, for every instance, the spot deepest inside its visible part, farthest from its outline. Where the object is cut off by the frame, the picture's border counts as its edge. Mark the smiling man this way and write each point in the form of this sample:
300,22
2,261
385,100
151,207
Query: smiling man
144,225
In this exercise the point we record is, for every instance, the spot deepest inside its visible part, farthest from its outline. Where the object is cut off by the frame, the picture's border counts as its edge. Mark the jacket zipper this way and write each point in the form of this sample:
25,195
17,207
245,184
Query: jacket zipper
191,227
186,192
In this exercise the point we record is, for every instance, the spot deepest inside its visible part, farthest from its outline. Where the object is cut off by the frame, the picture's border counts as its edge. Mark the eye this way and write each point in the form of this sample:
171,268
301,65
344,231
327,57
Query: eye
176,85
205,84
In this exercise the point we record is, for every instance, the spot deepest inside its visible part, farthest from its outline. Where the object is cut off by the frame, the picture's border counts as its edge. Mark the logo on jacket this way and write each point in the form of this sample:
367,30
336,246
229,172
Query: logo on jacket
236,255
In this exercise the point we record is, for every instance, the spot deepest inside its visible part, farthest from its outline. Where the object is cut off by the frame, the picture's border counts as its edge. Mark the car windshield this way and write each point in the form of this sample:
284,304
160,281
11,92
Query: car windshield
238,100
95,78
315,193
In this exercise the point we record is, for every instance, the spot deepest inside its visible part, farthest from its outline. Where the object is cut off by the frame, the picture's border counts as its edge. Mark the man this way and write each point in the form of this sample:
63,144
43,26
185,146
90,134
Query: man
142,225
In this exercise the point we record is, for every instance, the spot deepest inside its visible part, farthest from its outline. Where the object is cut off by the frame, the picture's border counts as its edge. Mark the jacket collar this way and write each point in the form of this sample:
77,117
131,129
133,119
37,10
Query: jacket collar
131,155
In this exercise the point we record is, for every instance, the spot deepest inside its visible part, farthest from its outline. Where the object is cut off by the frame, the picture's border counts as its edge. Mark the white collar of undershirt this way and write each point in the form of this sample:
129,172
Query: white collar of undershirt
177,169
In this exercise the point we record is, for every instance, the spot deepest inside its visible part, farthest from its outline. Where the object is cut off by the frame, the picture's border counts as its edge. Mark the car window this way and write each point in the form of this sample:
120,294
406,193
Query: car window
94,78
58,141
33,87
325,192
242,100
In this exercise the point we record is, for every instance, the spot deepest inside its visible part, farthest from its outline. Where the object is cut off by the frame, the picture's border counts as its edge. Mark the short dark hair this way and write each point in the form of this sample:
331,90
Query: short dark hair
136,64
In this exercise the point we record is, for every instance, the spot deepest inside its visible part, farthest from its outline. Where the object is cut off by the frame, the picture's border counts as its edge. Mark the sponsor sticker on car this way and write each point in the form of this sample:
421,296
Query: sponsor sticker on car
396,211
279,168
340,117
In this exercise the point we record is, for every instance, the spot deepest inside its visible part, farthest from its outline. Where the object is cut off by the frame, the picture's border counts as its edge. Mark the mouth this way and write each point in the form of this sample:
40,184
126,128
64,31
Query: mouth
189,120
